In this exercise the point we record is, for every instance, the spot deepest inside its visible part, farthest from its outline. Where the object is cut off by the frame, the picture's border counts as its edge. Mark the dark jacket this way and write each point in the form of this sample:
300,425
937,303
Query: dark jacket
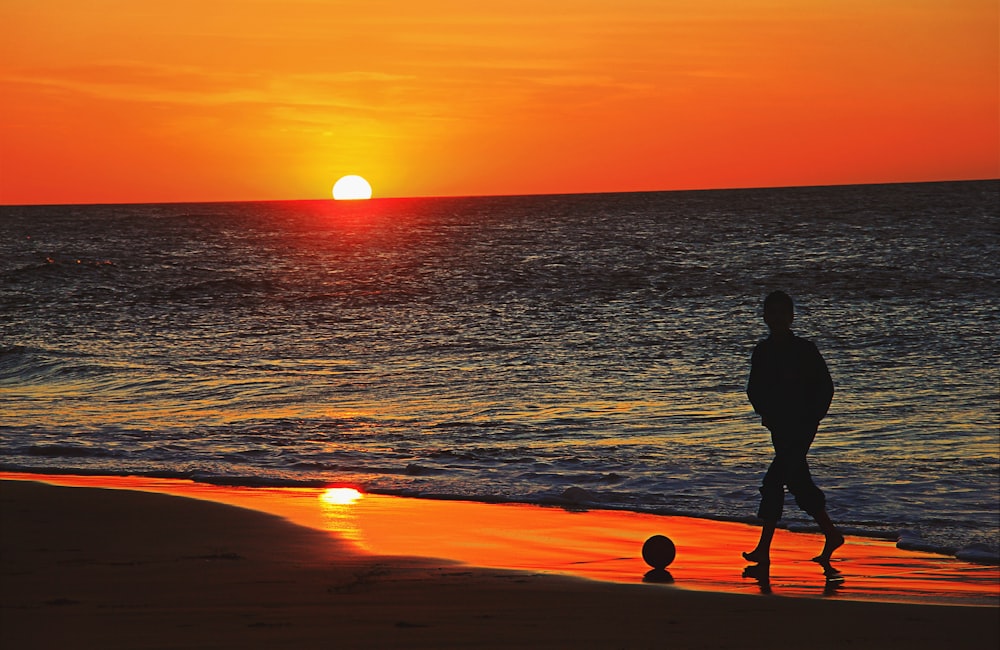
789,383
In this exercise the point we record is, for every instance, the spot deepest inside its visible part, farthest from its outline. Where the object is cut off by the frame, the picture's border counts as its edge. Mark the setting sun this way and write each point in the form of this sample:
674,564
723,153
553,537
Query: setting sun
352,188
494,98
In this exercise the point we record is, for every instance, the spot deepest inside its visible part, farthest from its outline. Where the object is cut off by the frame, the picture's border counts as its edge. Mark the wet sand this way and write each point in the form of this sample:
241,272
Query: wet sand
145,569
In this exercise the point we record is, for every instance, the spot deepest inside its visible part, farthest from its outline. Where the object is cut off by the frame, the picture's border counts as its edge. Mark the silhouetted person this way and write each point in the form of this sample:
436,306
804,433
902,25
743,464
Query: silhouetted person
791,390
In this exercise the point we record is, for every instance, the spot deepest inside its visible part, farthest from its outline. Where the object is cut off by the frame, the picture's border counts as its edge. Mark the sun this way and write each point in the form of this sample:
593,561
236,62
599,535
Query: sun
352,188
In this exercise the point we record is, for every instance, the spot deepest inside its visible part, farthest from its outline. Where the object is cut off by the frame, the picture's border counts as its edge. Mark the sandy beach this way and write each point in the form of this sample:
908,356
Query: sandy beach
119,568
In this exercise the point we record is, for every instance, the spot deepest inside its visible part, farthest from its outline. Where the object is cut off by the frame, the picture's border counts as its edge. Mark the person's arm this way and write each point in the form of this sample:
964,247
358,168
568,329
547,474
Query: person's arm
756,389
823,387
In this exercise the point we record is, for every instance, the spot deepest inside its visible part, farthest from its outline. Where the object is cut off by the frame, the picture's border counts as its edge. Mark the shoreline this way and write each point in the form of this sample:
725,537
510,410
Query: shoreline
600,545
98,567
574,499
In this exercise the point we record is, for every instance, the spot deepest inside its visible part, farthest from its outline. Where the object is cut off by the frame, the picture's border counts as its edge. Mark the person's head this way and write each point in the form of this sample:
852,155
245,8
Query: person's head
779,311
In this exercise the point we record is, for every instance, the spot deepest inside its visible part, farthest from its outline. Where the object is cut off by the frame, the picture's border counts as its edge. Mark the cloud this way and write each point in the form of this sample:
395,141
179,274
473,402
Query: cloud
188,86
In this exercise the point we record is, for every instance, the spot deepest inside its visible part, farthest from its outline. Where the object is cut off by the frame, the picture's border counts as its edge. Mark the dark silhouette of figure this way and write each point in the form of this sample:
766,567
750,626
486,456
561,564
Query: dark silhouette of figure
791,390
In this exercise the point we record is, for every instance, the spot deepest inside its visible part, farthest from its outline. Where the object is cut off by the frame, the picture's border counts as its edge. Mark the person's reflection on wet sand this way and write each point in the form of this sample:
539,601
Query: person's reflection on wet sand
833,579
762,574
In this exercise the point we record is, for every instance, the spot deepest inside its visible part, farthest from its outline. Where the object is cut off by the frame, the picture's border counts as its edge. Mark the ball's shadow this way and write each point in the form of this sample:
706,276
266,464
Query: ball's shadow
661,576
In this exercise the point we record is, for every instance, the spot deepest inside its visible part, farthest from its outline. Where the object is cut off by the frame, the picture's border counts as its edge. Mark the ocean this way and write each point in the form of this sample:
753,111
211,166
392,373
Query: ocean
589,351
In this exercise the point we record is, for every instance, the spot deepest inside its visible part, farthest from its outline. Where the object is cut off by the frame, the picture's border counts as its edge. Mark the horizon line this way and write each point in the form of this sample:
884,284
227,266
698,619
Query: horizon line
514,195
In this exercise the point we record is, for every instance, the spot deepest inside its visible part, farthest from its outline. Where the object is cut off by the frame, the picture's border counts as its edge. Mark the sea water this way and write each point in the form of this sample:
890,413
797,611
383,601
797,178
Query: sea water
585,350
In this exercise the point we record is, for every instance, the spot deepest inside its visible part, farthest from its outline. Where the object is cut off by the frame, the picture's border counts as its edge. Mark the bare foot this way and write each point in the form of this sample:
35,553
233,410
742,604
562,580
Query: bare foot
757,556
833,542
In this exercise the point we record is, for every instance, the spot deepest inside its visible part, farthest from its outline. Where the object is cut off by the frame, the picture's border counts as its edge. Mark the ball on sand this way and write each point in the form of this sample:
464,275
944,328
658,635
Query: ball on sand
658,551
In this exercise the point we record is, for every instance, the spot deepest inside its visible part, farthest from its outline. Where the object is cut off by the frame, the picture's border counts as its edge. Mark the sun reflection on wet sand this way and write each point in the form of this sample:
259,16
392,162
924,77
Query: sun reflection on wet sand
601,545
339,515
340,496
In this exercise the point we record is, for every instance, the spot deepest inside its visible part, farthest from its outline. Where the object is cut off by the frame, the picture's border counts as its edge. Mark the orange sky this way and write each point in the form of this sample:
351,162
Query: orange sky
186,100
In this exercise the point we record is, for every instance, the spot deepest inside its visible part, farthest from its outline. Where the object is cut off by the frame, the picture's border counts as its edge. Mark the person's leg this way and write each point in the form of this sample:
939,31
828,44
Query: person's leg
812,500
762,553
772,501
834,538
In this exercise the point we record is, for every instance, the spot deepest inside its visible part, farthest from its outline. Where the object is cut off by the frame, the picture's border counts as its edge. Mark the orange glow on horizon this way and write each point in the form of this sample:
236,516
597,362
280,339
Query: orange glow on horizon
191,100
